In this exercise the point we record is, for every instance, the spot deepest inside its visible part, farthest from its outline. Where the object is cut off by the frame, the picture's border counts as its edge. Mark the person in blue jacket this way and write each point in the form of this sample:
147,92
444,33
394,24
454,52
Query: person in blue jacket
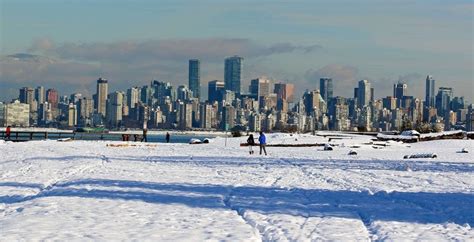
262,140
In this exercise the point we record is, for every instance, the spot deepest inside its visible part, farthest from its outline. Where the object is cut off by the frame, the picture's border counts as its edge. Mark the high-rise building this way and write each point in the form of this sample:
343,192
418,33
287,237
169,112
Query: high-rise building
147,93
363,93
233,74
313,102
52,97
2,114
282,105
285,91
185,116
114,109
228,117
458,103
72,115
39,94
26,95
340,120
205,113
389,102
86,108
101,95
326,88
17,114
259,87
372,94
75,97
255,122
44,113
194,77
228,97
215,90
443,100
163,91
133,96
470,118
399,92
268,102
430,91
183,93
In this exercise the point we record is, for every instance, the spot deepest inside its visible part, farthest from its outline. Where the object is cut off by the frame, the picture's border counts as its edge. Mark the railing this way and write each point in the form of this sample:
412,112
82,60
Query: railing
19,136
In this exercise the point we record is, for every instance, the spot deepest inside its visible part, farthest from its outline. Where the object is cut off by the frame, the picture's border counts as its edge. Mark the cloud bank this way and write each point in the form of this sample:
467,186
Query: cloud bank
72,67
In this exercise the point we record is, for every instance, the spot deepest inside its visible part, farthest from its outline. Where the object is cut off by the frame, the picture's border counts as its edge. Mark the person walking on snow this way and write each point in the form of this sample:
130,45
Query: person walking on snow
144,138
167,137
262,140
250,142
8,132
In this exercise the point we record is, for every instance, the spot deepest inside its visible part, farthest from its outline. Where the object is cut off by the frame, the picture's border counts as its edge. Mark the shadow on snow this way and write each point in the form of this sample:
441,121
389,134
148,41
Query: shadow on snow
419,207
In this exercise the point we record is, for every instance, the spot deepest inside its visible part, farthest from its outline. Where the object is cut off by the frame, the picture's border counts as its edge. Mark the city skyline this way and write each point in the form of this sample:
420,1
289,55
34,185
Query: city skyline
161,105
302,43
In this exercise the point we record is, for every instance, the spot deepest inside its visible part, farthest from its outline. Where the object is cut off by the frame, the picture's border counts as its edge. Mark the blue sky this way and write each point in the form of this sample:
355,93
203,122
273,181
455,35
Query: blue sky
133,42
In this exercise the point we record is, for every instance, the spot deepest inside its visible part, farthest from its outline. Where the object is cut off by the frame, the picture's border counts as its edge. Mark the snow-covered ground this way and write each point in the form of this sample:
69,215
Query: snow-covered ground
86,190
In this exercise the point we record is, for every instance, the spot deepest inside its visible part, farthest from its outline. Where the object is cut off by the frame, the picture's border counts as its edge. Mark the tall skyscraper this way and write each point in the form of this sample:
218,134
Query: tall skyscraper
430,91
52,97
183,93
75,97
285,91
2,114
72,115
363,93
399,92
443,100
259,87
163,91
39,94
133,96
233,74
185,116
389,102
326,88
312,101
114,109
228,117
194,77
101,95
215,90
26,95
86,108
205,113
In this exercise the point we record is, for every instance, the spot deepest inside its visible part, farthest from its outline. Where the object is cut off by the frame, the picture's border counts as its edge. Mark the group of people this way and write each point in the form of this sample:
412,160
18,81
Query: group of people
262,142
145,139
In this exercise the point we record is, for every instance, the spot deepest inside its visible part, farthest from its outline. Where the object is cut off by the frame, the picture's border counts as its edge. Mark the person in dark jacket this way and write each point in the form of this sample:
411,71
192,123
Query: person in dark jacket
167,137
8,132
144,138
262,140
250,142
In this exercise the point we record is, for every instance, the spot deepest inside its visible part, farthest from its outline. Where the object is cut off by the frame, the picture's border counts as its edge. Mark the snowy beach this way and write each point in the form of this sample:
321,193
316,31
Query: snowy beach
104,190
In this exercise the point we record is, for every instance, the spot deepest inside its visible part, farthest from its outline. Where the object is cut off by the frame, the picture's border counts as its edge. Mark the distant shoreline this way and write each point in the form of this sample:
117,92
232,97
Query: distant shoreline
134,131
